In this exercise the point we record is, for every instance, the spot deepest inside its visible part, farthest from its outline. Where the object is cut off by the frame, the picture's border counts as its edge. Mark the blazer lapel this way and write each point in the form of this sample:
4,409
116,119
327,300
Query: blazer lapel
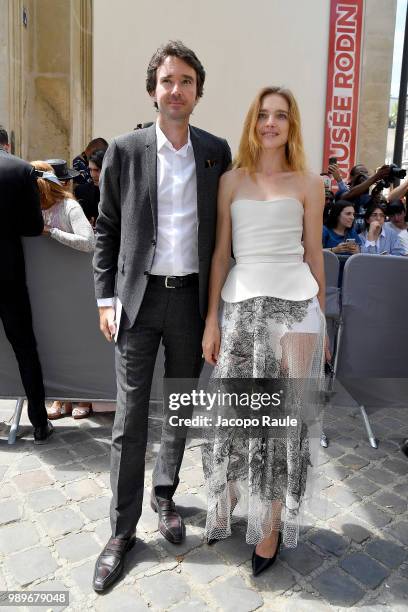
199,155
151,165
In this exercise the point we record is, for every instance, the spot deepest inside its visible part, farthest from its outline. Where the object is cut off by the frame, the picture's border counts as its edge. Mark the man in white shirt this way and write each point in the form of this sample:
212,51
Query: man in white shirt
155,237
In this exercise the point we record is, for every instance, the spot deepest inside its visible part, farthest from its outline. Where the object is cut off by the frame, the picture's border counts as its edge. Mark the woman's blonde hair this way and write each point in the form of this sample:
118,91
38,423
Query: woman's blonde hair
50,193
250,147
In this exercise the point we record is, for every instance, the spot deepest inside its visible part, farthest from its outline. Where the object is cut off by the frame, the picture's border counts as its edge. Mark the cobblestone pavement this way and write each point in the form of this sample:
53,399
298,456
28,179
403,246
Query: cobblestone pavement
353,554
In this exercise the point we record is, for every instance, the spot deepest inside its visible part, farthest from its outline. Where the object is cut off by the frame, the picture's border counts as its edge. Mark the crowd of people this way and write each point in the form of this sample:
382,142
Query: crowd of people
359,218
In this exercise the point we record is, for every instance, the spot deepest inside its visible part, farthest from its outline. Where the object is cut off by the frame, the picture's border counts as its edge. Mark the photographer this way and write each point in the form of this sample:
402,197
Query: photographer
358,187
334,171
360,183
379,238
88,194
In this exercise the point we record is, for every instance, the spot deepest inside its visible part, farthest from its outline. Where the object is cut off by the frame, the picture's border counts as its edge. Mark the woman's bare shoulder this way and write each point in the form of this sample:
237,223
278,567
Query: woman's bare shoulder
313,189
230,181
234,176
311,179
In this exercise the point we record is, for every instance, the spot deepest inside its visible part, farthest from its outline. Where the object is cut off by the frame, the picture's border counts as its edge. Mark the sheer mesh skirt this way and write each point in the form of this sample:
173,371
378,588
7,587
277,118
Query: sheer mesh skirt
262,474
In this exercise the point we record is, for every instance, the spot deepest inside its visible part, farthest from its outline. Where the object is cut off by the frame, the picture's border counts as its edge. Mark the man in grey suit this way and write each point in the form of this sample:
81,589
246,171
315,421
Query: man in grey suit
155,237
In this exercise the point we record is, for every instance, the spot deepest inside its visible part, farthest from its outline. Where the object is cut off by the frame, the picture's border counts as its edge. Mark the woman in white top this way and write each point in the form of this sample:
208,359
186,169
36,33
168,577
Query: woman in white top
270,210
64,221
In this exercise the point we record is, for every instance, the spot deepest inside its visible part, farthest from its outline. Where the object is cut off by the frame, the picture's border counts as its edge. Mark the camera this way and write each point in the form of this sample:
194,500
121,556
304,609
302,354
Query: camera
38,174
381,184
394,173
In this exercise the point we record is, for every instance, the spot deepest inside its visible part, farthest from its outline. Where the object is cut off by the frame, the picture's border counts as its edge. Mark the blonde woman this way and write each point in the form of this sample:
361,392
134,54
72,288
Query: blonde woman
64,221
270,210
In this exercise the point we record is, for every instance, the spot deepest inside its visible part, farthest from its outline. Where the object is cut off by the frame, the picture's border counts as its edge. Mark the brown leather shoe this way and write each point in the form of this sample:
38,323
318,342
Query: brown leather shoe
109,564
171,525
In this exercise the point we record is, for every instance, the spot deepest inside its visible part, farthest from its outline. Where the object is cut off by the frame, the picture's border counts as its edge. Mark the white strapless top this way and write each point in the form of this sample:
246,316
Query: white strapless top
266,240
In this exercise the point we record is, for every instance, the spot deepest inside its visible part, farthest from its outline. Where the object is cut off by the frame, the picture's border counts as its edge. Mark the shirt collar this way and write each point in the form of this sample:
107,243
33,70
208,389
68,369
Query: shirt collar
382,233
162,141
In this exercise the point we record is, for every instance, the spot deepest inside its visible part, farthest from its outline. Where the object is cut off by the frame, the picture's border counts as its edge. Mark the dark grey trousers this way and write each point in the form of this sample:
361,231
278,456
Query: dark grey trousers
173,317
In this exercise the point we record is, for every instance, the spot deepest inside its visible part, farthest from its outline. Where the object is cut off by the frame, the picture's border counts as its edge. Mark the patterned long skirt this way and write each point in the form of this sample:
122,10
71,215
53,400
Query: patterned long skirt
260,473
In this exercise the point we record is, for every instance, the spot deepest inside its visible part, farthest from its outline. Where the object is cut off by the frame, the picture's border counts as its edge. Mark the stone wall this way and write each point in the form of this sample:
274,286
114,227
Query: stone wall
49,134
48,84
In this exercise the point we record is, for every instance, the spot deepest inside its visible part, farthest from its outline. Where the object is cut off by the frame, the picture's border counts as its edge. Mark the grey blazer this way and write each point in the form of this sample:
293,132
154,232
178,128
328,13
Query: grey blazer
126,229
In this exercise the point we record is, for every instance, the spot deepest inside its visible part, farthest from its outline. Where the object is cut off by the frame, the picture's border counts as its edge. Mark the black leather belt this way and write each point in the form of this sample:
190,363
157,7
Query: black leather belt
174,282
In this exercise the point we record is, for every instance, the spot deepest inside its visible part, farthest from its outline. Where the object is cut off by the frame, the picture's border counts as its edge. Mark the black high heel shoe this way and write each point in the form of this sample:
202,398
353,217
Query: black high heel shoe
260,564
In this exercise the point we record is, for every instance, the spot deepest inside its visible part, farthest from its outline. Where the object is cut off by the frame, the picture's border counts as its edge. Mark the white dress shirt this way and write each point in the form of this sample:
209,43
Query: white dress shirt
375,243
176,251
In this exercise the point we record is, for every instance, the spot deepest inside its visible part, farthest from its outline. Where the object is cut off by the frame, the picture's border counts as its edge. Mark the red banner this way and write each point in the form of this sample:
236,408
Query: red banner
343,78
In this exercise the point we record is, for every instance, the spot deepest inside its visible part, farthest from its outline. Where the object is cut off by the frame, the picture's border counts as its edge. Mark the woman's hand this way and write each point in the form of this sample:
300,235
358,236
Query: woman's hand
346,248
327,353
211,342
353,247
341,248
47,229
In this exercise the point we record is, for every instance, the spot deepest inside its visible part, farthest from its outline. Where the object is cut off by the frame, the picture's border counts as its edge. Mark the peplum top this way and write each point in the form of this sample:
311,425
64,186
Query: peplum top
266,241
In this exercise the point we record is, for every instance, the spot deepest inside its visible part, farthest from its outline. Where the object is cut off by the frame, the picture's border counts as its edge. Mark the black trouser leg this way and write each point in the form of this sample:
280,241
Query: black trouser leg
17,321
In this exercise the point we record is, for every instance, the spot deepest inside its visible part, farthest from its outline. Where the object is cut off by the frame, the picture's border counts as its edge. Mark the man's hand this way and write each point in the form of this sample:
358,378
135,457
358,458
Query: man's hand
107,323
382,173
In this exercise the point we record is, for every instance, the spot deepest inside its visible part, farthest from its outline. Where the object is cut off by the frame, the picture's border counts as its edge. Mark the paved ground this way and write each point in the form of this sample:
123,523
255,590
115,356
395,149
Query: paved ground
354,553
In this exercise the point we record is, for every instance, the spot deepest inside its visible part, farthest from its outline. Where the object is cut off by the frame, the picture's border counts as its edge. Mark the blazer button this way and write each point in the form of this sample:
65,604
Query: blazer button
153,242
